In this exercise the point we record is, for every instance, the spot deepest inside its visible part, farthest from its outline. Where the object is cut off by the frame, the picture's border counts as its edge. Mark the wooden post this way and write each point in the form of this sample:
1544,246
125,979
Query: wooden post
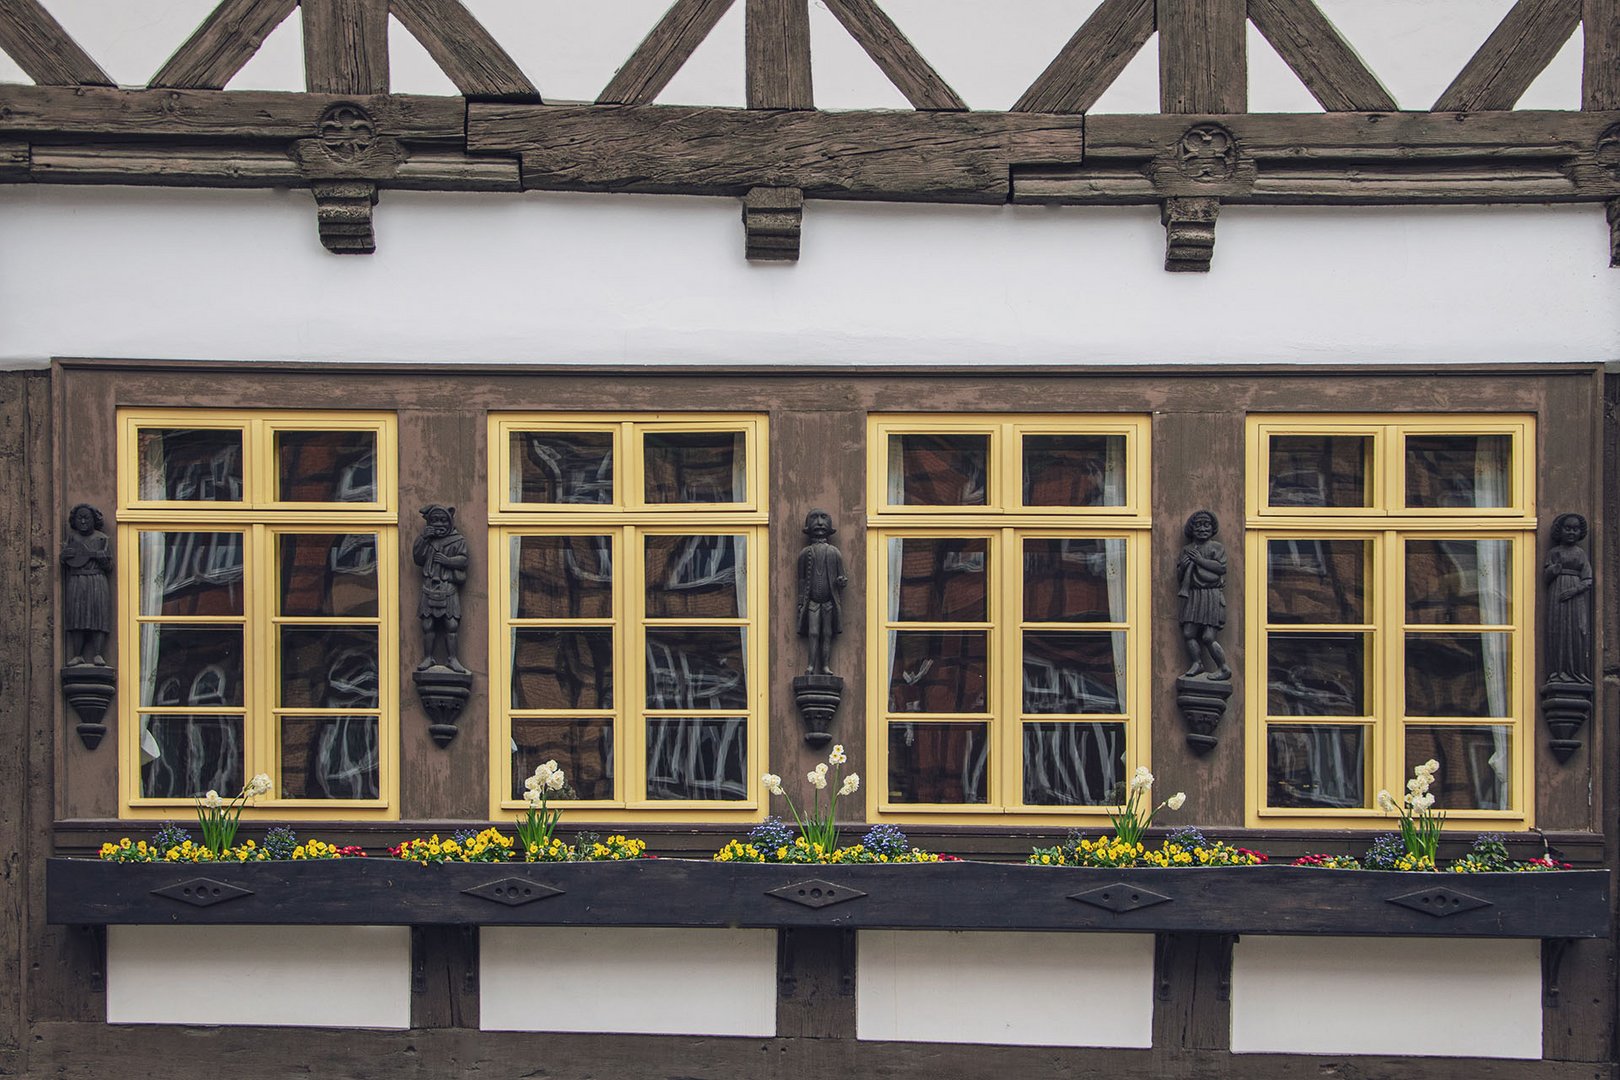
1600,83
346,52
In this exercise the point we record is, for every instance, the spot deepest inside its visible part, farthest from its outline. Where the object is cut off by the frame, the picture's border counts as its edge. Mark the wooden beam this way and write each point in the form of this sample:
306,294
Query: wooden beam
895,55
182,165
1613,212
1203,56
778,48
345,46
1600,78
1516,52
1189,233
772,220
15,160
45,52
224,42
934,156
1315,50
464,50
661,54
1092,59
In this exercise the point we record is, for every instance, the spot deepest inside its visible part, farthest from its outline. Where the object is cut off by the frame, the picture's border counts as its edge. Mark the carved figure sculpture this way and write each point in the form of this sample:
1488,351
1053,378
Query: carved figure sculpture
1202,574
1568,573
821,579
87,597
441,552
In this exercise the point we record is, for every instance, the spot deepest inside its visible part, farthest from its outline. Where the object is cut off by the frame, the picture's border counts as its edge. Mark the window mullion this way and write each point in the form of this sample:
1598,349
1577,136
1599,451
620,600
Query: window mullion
1006,603
1390,620
261,650
629,609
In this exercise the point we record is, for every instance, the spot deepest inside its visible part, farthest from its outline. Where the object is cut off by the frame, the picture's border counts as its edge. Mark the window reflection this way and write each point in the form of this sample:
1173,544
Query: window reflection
1316,766
697,759
938,763
1074,764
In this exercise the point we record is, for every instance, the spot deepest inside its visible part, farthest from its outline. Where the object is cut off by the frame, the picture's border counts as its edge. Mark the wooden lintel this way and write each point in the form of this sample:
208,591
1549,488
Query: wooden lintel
896,56
1203,56
1516,52
345,46
343,216
466,52
772,220
14,162
1092,59
180,165
1614,232
32,37
226,40
924,156
778,54
661,54
1189,233
1600,81
1316,52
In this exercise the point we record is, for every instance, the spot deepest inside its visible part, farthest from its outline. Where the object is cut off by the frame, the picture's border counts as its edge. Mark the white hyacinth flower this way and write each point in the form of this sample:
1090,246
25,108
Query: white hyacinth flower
837,756
1386,802
1175,801
772,782
852,784
817,778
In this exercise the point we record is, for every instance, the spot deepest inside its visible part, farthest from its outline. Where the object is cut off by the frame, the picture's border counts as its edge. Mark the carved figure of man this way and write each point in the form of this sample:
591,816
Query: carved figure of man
1569,602
821,579
441,552
1202,573
86,597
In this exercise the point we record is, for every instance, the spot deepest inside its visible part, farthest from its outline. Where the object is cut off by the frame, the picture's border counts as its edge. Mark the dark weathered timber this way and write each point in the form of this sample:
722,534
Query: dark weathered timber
1192,1008
1189,233
1516,52
815,983
895,55
345,46
444,977
343,215
959,157
1203,56
45,52
670,892
1092,59
181,165
464,50
778,54
1315,50
226,40
661,54
772,221
1600,75
1612,211
246,115
14,161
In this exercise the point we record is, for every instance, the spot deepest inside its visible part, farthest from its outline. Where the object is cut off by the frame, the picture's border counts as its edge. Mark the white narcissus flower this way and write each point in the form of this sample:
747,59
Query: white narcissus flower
212,800
837,756
1429,767
555,781
533,797
1420,803
852,784
1175,801
1386,802
258,785
1142,780
817,778
772,783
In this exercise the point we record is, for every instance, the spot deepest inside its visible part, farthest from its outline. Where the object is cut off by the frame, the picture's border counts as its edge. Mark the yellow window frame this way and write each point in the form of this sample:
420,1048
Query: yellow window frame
1005,523
1386,527
260,519
629,519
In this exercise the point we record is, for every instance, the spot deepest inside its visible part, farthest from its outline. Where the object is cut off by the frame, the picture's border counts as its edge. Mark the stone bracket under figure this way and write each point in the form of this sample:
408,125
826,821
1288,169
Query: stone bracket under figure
1205,688
441,552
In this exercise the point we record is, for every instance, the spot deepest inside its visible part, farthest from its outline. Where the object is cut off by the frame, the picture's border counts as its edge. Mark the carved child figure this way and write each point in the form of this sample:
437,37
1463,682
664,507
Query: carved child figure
87,598
441,552
821,578
1202,573
1568,571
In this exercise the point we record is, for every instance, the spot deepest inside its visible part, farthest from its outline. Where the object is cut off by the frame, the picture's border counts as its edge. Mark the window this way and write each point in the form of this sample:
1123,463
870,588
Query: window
1009,617
628,636
1390,599
258,610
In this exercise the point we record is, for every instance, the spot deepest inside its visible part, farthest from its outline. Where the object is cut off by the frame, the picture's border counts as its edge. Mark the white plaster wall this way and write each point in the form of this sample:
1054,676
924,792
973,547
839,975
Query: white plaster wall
285,976
1414,996
1020,989
632,980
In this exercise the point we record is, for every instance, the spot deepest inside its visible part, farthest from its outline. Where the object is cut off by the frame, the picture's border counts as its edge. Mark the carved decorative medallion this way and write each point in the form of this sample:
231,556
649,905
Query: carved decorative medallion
1608,151
815,893
1120,897
513,891
1439,902
202,892
1207,154
346,132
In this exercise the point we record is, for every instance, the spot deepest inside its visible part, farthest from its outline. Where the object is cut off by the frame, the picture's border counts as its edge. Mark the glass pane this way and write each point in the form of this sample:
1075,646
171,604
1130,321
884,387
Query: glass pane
1316,766
562,577
1317,675
562,467
697,759
191,573
330,757
697,669
328,667
938,763
186,465
1476,764
938,580
329,575
1317,581
1074,672
1458,470
695,467
697,577
1320,470
326,466
1459,674
583,749
183,665
1074,470
186,756
1074,580
937,671
938,470
1074,764
559,668
1459,582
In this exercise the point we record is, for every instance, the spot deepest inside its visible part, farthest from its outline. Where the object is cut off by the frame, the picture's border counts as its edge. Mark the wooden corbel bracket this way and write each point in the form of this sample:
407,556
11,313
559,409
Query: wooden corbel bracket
772,220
